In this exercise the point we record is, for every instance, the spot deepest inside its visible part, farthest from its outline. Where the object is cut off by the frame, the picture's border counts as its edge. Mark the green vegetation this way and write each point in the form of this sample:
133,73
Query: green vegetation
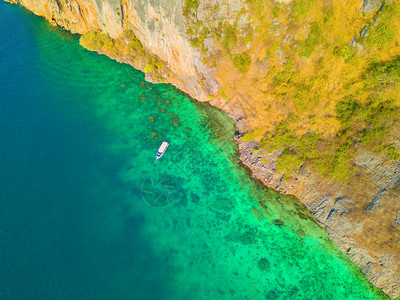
189,6
347,52
329,101
195,29
314,39
248,39
301,7
230,38
196,42
128,46
366,124
100,41
276,10
153,64
134,44
286,76
223,94
199,32
241,62
345,109
327,159
383,32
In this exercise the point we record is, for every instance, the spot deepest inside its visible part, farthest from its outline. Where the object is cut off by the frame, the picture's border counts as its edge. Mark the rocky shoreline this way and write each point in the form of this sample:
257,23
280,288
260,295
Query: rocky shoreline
331,208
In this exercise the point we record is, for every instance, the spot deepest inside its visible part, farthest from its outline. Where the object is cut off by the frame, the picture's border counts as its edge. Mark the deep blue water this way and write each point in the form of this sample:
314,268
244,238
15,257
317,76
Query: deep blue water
78,136
57,183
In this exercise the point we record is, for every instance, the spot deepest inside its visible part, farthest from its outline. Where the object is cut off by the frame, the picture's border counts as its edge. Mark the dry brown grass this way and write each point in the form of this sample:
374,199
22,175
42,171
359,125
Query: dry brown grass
317,82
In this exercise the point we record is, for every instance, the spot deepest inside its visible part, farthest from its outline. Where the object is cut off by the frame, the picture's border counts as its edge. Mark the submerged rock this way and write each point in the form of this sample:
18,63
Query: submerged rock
249,237
195,198
263,264
278,222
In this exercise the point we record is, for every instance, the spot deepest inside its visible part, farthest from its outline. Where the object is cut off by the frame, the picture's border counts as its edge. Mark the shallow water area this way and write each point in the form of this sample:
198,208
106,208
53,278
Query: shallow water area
87,213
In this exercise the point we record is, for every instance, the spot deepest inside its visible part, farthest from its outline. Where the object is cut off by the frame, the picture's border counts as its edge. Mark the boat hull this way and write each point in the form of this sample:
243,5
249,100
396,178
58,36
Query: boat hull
162,150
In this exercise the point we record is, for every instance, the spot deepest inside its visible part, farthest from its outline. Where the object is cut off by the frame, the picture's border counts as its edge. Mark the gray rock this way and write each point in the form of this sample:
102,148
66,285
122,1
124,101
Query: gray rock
353,43
376,201
332,210
397,219
371,5
321,208
364,31
386,174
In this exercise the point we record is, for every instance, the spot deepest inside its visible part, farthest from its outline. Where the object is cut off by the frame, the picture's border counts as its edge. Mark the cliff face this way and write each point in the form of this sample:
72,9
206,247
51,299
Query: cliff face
159,25
243,57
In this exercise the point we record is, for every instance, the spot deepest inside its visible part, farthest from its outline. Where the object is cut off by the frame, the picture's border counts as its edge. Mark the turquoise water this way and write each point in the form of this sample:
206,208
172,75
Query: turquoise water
86,214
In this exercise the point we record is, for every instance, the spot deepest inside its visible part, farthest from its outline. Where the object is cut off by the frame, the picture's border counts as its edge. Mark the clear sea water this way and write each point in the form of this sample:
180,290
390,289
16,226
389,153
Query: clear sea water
86,214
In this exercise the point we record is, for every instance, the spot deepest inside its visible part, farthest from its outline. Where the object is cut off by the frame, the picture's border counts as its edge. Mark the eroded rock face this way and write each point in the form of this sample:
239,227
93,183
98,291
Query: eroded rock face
160,27
371,5
386,174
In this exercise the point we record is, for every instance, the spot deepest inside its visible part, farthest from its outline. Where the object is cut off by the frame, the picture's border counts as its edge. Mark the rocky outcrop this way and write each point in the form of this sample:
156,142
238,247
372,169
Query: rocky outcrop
333,208
371,5
164,31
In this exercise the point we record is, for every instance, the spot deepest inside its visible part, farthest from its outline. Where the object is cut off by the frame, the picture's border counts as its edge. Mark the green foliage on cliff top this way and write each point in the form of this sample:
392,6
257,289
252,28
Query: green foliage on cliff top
367,124
230,37
241,62
346,52
100,42
313,80
153,64
128,46
190,5
314,39
301,7
134,43
345,109
382,32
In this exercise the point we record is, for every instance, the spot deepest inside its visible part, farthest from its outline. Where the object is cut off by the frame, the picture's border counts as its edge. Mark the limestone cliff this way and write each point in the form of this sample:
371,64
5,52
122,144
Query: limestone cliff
273,64
159,25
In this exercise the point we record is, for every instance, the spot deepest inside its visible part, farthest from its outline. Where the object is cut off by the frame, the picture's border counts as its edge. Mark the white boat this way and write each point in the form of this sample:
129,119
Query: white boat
162,150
